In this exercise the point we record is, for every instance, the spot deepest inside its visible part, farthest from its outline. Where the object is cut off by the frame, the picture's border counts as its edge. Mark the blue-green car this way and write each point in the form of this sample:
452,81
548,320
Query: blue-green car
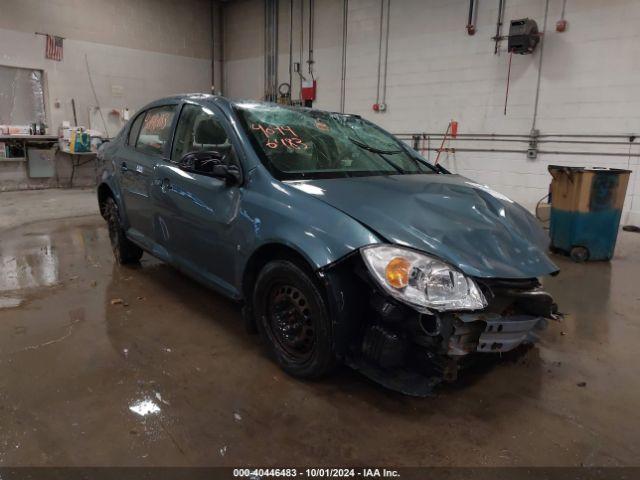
342,244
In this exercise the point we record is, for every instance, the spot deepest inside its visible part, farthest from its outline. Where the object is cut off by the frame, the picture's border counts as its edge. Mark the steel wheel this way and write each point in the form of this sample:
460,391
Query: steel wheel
290,321
292,318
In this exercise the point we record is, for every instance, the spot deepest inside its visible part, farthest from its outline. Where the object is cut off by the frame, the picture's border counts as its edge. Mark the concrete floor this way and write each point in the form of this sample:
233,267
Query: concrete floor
106,365
22,207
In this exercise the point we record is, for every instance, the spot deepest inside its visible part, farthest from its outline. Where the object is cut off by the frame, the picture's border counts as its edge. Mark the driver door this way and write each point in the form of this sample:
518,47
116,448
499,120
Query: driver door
196,213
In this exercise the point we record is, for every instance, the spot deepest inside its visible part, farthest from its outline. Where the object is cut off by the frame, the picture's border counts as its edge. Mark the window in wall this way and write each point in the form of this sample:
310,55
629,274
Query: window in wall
156,130
21,96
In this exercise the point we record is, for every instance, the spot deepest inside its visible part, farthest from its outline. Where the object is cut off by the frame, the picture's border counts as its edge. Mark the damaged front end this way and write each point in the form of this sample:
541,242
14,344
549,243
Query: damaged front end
412,348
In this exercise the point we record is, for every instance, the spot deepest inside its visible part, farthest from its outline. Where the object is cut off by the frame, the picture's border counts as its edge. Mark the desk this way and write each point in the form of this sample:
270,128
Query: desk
35,161
79,159
23,141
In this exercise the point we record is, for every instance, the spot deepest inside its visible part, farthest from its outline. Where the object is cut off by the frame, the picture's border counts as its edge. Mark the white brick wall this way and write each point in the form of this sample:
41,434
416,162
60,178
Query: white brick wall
590,80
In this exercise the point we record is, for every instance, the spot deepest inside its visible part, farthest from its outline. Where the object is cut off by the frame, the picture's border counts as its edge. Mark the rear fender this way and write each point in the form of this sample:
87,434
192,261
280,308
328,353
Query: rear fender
107,179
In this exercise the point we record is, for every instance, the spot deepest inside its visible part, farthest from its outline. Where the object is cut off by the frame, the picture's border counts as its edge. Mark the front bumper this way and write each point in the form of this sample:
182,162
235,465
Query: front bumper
492,333
411,351
436,346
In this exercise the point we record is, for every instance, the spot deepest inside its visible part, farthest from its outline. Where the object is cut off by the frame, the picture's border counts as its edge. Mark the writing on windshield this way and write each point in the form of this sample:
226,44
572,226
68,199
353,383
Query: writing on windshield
280,136
298,143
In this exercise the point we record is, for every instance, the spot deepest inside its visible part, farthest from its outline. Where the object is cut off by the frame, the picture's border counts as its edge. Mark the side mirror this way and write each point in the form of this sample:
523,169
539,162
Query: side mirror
212,164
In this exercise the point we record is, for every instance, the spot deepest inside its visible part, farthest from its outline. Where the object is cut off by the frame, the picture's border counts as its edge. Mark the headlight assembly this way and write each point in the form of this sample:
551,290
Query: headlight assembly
421,280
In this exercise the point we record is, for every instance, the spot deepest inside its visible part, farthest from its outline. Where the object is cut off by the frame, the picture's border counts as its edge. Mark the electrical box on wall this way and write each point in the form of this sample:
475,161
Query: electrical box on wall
309,90
523,36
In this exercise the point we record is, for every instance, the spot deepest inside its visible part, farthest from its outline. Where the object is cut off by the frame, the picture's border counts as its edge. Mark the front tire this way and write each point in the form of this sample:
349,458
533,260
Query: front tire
124,250
292,318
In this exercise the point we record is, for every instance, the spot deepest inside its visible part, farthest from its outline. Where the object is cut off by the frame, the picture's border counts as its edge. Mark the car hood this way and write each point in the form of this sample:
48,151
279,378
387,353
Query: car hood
470,226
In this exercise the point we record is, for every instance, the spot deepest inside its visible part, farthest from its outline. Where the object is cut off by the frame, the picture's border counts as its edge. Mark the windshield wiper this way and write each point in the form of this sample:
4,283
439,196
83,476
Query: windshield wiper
373,149
381,153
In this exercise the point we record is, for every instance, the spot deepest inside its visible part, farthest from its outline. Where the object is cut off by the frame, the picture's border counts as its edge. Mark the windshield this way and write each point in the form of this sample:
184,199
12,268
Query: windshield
296,143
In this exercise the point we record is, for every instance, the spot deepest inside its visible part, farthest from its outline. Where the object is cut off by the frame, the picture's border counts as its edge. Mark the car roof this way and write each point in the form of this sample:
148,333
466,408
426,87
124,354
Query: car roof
226,102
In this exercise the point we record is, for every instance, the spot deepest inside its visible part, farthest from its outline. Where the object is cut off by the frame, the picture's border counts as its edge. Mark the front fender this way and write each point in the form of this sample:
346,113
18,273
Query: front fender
281,214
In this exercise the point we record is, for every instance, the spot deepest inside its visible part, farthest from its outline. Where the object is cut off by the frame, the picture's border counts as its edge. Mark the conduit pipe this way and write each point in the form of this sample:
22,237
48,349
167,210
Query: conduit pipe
310,60
271,50
541,152
542,42
290,49
345,20
380,51
212,4
499,21
471,22
511,135
511,138
386,57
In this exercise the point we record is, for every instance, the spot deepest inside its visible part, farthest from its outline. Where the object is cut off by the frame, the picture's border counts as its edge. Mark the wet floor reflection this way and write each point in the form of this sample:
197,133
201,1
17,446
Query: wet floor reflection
104,365
144,407
32,261
28,264
585,297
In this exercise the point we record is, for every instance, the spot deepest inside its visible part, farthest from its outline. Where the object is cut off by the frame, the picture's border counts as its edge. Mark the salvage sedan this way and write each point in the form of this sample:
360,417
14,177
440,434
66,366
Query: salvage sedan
343,244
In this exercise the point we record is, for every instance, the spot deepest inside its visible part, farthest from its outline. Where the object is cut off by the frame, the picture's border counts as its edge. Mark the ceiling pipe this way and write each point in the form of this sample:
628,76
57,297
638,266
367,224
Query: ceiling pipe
271,50
386,58
290,49
345,20
212,4
221,40
542,42
471,27
379,54
499,21
310,60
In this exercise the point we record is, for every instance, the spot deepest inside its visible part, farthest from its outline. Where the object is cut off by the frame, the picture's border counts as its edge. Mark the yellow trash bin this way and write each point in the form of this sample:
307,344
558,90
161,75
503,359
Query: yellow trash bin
586,205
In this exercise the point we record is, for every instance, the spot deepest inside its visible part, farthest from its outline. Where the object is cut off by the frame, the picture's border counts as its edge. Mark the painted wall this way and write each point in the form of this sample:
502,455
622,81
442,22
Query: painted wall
243,49
136,52
590,79
166,26
123,77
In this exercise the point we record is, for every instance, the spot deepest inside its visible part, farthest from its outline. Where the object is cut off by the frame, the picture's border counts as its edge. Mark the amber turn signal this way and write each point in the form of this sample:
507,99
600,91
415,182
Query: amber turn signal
397,272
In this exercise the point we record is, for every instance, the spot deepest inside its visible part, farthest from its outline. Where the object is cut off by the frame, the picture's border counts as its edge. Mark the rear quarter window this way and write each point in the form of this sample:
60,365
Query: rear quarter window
155,130
135,129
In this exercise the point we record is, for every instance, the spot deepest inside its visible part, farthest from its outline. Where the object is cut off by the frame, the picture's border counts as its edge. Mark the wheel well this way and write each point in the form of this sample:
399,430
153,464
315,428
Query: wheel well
265,254
104,192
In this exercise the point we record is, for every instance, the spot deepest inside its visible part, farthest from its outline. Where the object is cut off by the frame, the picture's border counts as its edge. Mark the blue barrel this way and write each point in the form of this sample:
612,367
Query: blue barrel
586,205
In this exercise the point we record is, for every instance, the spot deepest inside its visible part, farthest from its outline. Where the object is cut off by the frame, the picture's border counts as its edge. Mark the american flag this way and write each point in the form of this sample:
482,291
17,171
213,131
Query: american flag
54,48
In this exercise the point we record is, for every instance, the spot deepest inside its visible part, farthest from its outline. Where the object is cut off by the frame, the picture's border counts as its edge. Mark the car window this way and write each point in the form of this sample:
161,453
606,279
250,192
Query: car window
135,129
155,130
199,130
296,143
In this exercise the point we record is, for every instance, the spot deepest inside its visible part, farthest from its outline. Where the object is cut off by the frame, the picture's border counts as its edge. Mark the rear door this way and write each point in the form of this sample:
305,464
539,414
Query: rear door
148,142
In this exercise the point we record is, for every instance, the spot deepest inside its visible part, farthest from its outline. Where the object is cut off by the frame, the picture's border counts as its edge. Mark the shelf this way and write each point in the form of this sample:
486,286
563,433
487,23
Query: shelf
12,159
30,138
79,154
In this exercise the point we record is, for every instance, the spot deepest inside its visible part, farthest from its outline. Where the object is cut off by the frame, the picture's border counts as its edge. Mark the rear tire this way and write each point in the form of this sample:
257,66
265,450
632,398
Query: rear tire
124,250
292,318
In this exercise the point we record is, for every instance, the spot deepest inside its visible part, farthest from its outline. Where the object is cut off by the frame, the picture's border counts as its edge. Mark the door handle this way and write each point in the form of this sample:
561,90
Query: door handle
123,167
166,185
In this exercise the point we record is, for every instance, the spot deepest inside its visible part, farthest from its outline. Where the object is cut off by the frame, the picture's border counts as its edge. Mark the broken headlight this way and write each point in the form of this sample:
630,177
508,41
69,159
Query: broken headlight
421,280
